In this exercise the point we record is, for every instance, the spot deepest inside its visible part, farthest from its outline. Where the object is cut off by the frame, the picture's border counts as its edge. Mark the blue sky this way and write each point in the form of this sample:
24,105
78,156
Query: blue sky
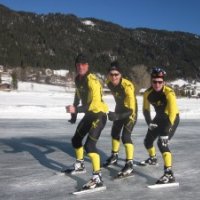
172,15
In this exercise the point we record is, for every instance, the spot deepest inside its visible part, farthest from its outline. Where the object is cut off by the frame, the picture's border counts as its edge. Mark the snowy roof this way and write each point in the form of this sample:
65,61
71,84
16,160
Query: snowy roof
179,82
61,72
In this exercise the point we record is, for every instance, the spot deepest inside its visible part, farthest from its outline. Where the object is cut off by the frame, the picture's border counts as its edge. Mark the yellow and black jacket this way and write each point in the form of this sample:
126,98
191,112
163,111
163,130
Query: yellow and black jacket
124,95
89,92
164,103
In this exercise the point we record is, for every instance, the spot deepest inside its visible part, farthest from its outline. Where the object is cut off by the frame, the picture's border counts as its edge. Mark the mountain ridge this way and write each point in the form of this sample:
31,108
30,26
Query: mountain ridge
53,41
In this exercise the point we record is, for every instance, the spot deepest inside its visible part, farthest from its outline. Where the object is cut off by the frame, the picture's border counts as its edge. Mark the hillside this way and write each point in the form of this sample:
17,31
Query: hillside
53,40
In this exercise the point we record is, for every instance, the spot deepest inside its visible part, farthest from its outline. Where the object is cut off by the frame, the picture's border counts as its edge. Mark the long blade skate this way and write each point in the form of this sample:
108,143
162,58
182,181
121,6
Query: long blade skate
143,163
72,171
165,185
88,191
122,176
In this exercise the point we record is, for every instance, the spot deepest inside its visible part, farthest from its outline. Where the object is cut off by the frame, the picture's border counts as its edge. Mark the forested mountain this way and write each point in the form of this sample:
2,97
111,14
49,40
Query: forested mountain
53,41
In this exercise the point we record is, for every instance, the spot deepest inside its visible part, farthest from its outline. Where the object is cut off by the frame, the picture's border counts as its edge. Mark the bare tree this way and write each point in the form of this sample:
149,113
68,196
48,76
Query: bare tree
140,76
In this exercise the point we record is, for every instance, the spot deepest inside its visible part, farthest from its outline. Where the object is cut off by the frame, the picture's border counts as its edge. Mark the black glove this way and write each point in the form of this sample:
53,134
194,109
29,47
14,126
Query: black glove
73,118
164,140
112,116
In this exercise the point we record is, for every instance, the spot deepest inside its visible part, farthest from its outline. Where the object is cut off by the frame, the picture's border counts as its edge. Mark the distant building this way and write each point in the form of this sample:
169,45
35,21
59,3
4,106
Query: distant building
60,72
5,80
5,87
191,90
1,68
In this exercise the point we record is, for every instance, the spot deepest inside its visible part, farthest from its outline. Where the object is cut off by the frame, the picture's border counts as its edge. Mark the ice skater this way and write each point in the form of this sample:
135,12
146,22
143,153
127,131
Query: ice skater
163,125
124,117
89,92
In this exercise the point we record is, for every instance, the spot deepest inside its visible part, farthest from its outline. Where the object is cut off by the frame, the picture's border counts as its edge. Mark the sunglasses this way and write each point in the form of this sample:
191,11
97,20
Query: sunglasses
155,82
114,74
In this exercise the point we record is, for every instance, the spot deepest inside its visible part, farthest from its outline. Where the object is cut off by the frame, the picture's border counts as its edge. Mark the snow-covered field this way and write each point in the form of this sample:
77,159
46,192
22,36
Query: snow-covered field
38,101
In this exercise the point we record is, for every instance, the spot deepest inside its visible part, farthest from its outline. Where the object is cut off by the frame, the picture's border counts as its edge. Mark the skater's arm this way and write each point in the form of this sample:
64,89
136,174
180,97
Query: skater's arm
112,116
146,108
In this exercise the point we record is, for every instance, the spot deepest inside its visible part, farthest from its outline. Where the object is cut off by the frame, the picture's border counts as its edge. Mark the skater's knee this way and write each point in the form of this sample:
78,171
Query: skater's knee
90,147
162,148
76,142
126,138
115,136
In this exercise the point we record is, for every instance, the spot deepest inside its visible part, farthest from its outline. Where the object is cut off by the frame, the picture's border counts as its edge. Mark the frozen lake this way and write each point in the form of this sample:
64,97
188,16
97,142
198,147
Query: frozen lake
33,151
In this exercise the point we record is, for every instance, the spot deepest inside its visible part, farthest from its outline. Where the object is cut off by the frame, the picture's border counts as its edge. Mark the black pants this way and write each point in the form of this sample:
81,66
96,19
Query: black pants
126,126
91,125
161,130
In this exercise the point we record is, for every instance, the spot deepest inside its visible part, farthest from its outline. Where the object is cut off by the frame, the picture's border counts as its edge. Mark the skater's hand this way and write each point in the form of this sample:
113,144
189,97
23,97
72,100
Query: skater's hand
164,140
70,109
152,126
73,118
112,116
72,121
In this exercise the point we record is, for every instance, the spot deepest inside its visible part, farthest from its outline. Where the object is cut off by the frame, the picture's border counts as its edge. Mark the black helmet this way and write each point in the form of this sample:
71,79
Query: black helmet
158,72
115,66
81,58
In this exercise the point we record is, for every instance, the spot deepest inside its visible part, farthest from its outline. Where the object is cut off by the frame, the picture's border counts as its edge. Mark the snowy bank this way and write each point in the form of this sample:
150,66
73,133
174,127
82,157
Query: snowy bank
38,101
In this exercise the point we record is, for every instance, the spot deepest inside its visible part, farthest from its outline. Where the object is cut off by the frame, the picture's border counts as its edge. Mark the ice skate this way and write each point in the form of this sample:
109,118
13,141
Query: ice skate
77,168
167,180
149,161
112,160
168,177
127,170
94,182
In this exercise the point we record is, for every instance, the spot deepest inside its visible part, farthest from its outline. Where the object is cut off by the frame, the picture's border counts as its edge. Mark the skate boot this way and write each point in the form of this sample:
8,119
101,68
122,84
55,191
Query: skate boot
77,168
112,160
168,177
150,161
94,182
127,169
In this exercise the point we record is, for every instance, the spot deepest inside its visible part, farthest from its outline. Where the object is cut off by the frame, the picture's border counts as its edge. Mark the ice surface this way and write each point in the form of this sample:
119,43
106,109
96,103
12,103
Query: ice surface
32,153
35,144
